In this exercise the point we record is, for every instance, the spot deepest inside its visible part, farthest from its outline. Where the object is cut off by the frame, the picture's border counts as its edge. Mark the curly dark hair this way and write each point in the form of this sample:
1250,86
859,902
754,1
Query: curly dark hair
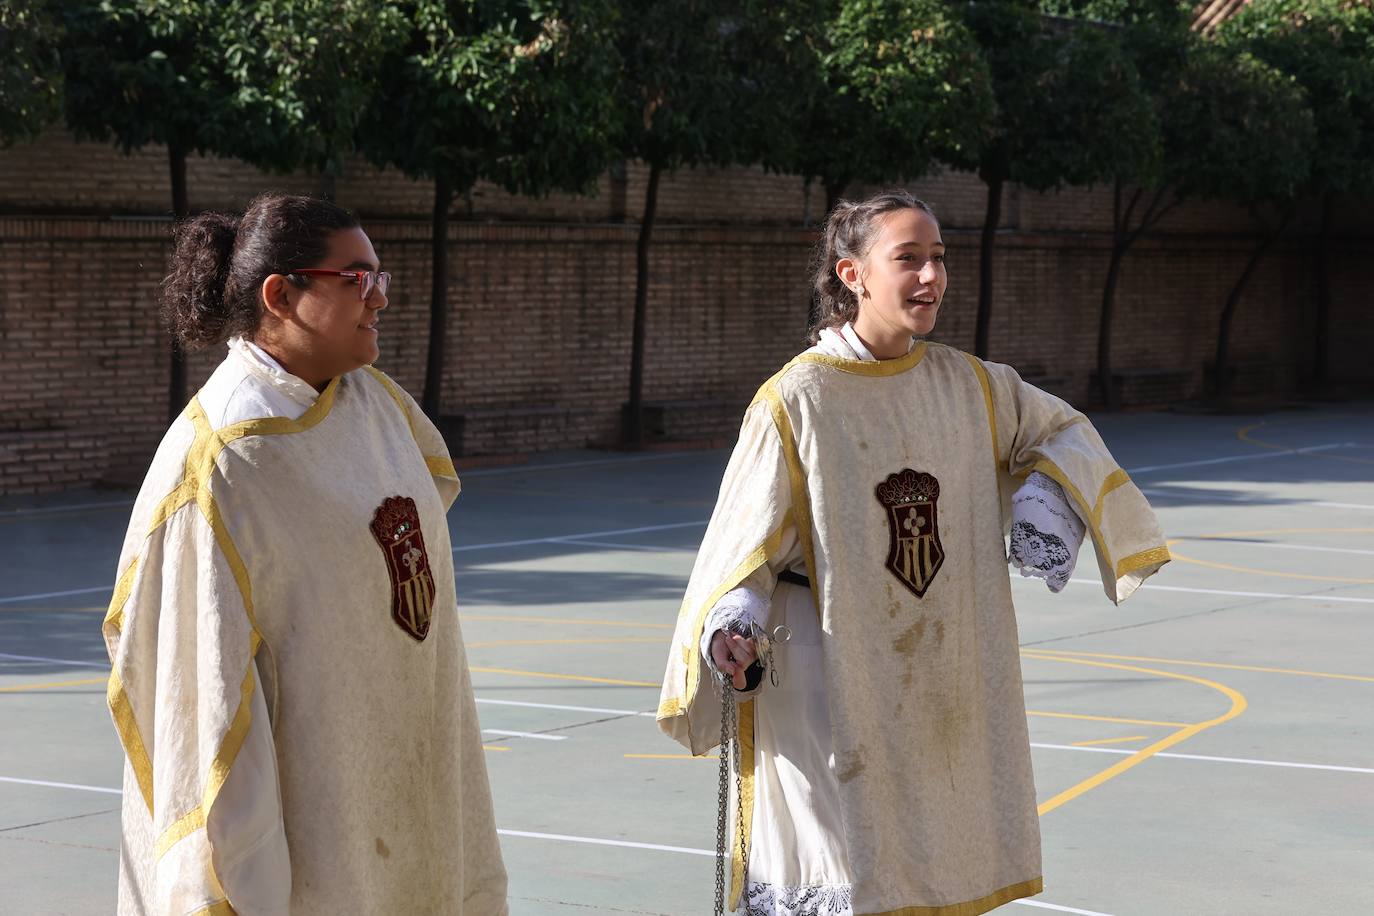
850,232
219,262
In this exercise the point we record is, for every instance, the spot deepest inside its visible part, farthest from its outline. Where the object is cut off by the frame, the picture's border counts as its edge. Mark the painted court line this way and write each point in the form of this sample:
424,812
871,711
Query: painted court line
60,785
586,534
589,463
600,709
1196,496
511,734
1239,760
56,661
1230,458
74,591
1147,587
75,507
1249,543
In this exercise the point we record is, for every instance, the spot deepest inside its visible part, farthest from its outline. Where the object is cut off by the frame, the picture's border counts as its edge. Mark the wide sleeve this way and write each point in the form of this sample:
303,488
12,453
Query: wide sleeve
1036,431
206,832
427,436
744,542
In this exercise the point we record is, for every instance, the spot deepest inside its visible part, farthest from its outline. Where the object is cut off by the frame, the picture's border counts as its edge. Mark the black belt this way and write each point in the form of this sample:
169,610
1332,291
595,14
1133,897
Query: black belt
794,578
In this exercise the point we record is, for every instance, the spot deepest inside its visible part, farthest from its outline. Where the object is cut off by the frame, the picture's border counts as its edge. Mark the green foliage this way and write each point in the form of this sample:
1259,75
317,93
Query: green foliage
1071,107
1237,129
893,87
30,69
1327,46
515,92
694,78
148,71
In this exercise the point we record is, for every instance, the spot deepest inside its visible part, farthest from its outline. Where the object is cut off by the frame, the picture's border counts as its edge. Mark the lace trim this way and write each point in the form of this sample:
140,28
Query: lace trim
762,899
1046,533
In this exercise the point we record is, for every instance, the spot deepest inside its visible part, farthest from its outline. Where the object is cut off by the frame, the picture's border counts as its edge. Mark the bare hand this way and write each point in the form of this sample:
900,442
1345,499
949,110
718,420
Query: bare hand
733,653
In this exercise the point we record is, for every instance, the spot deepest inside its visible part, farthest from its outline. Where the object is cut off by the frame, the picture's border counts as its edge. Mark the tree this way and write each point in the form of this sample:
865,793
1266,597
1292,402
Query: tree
30,69
513,92
1327,46
895,87
1070,111
688,95
262,82
1259,157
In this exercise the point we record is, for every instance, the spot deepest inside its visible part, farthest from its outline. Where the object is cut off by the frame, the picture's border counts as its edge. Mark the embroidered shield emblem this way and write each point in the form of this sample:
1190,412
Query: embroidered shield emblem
396,526
914,553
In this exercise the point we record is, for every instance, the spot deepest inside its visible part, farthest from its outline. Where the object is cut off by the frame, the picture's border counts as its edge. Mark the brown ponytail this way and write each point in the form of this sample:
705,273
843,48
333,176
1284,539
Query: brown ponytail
849,233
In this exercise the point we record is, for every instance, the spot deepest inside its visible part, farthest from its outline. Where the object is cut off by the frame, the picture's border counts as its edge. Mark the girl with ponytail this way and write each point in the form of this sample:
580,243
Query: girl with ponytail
288,678
848,627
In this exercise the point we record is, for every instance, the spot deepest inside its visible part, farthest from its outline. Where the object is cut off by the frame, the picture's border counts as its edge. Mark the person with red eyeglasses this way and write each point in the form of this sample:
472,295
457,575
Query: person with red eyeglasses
288,679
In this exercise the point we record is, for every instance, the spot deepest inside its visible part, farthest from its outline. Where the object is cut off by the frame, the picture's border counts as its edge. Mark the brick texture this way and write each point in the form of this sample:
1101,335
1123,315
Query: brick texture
542,292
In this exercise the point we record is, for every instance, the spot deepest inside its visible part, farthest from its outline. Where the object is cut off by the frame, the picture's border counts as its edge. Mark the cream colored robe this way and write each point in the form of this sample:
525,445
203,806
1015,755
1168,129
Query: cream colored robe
292,745
926,763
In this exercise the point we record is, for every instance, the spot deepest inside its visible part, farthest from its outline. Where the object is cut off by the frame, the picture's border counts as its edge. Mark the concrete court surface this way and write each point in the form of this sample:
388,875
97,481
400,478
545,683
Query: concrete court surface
1253,653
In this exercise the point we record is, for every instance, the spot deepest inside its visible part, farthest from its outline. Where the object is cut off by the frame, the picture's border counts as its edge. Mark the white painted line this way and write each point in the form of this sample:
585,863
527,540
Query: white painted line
502,731
1060,909
589,463
1196,496
648,548
613,712
75,591
585,534
75,507
1244,760
60,785
1230,458
596,841
56,661
1243,542
1218,591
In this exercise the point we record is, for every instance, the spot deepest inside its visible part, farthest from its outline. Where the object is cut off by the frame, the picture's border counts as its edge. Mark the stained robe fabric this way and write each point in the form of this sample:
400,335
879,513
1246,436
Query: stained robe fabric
288,677
893,479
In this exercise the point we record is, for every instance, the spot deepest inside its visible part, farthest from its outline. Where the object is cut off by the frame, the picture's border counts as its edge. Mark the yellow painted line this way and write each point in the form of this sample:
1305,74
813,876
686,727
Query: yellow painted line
18,688
1267,572
511,618
493,747
1108,741
1074,715
564,642
1198,664
1243,434
1238,706
567,677
670,757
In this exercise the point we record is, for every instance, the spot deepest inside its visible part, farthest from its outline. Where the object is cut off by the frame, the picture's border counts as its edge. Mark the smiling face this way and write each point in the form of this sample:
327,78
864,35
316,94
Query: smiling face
903,281
324,330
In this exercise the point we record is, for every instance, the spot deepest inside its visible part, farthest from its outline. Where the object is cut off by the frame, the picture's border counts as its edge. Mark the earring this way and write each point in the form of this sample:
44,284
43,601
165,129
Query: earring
859,291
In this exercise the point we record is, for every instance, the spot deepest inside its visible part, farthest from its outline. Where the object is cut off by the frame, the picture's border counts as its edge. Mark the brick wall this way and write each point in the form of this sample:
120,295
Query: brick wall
542,292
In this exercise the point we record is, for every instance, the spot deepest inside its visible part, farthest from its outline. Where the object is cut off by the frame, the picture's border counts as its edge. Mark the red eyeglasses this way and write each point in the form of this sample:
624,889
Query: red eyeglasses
367,280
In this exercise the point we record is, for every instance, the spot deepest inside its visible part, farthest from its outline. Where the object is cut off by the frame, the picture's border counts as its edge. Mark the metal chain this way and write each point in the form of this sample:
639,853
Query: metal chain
728,727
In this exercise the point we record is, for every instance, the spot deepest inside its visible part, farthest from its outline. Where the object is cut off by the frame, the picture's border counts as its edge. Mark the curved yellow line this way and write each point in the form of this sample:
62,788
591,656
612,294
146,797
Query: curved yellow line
571,621
1238,706
1347,580
20,688
564,642
1198,664
1243,434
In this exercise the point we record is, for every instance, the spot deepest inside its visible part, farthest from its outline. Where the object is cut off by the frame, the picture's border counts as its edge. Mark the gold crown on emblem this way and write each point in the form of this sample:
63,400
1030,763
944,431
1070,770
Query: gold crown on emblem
908,486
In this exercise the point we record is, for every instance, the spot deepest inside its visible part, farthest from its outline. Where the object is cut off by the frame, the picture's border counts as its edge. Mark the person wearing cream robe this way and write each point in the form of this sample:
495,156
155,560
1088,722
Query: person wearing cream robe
289,681
888,770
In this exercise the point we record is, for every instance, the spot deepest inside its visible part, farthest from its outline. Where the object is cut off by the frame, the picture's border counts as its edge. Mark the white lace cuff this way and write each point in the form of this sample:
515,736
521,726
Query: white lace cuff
1046,532
737,610
798,900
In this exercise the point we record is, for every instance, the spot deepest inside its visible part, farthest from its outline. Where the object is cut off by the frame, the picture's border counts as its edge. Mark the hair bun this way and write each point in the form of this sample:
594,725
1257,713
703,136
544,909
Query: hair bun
193,303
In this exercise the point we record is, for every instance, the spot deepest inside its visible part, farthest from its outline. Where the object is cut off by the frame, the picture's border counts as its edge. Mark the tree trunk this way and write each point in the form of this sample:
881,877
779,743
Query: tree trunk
991,217
634,410
1110,401
1221,362
438,298
834,190
1322,265
181,208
